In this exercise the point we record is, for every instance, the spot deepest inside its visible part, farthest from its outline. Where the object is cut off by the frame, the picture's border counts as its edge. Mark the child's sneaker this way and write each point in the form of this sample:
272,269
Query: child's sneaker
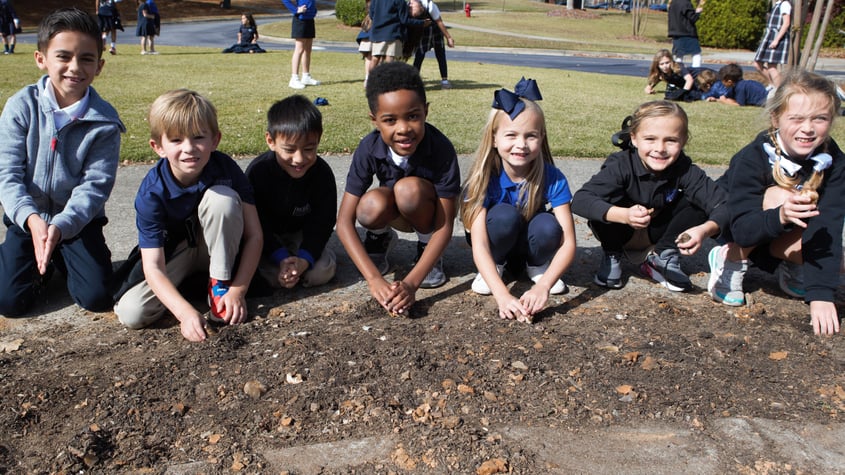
295,83
308,80
535,273
725,283
610,271
436,277
112,50
445,84
480,287
216,290
378,246
666,270
791,279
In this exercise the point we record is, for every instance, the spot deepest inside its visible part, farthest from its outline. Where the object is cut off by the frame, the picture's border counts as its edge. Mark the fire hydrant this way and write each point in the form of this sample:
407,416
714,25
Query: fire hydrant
468,10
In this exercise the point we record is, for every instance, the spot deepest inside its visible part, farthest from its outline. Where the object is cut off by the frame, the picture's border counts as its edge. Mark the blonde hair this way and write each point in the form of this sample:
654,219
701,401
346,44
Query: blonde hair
488,164
655,75
705,80
793,83
661,108
182,113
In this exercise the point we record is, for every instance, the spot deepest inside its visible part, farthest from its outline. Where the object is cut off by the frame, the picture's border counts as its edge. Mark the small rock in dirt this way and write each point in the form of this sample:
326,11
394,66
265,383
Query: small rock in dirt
255,389
519,365
492,466
315,406
293,378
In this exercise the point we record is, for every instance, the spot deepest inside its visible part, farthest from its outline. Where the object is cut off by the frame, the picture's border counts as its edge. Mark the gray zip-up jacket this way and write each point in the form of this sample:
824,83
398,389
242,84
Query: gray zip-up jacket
64,175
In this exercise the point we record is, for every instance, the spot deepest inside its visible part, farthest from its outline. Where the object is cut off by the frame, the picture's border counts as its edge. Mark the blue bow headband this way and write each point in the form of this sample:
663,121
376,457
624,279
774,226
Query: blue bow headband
510,101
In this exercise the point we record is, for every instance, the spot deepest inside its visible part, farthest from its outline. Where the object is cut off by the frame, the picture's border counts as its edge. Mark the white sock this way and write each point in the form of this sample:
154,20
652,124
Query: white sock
379,231
423,238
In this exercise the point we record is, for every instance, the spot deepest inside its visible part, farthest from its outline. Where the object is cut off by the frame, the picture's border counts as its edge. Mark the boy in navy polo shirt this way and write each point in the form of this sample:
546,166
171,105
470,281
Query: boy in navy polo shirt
296,197
741,92
419,183
195,212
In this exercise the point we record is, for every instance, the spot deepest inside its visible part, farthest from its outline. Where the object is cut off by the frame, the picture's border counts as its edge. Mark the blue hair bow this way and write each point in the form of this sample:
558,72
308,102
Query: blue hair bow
510,101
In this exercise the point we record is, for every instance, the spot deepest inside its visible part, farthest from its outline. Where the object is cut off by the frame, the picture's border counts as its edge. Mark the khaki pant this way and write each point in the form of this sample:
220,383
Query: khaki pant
221,225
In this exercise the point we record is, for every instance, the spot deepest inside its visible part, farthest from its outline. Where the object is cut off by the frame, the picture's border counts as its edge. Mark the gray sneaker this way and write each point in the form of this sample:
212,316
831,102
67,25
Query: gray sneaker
610,271
378,246
791,279
435,277
726,276
666,270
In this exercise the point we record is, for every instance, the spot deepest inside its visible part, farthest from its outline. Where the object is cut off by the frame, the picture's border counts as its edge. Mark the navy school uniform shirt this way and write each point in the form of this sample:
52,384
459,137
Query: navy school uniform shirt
163,207
502,189
749,92
624,181
288,205
434,160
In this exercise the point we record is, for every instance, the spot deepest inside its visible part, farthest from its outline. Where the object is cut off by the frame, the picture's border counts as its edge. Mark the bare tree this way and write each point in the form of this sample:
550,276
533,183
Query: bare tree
639,16
815,36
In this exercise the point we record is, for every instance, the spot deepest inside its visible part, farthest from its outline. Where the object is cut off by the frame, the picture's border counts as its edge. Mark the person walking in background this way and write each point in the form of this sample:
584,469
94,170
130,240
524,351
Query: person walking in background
146,28
365,46
389,19
303,31
432,38
774,48
682,30
109,18
9,25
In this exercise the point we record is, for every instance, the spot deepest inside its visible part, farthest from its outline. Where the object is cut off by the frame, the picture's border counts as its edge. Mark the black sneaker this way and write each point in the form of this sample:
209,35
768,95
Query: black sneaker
435,277
378,246
610,271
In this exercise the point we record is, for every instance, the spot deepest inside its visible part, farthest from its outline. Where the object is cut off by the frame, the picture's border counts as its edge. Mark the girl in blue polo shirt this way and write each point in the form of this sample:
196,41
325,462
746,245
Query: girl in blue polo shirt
516,205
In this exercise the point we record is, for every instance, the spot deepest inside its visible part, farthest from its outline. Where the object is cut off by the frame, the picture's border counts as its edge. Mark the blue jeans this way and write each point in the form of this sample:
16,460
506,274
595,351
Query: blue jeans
535,242
85,259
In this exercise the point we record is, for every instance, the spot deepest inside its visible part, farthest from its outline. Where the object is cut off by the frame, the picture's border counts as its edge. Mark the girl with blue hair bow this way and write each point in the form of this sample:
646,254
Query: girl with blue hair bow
516,205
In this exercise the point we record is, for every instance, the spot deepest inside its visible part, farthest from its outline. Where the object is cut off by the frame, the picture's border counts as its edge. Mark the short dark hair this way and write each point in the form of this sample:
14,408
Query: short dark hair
68,19
731,72
390,77
293,117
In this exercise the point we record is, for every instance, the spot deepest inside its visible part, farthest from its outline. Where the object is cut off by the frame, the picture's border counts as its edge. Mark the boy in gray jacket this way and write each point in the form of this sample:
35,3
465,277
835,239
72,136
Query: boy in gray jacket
59,150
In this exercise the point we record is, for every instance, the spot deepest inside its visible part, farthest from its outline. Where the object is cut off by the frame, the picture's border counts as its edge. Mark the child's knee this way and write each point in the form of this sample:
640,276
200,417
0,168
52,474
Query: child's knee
130,316
412,191
322,271
222,201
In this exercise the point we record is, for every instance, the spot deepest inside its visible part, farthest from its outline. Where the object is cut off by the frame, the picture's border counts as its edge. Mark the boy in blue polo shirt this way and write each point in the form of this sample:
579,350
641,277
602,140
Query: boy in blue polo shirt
195,212
741,92
419,182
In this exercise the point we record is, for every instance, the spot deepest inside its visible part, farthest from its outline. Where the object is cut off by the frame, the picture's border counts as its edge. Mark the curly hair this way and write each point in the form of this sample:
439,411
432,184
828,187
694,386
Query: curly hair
390,77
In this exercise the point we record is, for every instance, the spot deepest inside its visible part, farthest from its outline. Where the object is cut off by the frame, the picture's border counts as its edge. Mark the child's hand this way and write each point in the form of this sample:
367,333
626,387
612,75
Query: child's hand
402,299
824,318
534,300
649,89
796,209
192,327
639,217
291,270
301,9
689,241
232,306
511,308
44,240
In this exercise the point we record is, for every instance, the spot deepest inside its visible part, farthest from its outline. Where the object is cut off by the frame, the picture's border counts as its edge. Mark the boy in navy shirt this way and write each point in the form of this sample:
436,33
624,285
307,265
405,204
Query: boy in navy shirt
419,182
296,197
195,212
741,92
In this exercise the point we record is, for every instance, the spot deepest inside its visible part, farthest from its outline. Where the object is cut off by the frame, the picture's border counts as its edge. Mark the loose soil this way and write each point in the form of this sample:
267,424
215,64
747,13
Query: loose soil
440,388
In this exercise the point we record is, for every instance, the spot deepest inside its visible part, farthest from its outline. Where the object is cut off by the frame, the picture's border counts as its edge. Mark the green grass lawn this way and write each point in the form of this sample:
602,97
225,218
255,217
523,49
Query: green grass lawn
582,109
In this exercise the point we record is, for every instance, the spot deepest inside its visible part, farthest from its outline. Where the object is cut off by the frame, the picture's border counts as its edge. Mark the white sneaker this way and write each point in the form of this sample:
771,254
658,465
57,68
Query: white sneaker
535,273
480,287
309,81
295,83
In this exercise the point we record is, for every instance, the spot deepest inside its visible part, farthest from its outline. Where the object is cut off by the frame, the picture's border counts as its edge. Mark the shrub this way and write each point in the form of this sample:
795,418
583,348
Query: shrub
350,12
733,23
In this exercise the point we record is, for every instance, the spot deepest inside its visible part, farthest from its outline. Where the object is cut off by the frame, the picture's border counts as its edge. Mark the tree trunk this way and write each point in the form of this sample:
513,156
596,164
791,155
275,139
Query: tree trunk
820,38
808,43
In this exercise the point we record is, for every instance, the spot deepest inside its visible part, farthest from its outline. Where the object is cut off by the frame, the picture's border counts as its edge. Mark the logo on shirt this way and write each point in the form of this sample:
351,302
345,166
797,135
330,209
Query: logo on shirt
302,210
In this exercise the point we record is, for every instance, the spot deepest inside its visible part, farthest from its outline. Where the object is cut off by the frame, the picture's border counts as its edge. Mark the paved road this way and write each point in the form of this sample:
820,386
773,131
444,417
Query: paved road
219,34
